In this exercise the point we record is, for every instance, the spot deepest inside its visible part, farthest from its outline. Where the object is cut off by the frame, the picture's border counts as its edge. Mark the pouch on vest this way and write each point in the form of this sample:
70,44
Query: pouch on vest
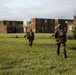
61,33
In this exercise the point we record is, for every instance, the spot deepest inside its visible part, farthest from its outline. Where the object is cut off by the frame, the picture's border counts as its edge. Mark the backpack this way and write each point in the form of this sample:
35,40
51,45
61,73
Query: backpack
30,34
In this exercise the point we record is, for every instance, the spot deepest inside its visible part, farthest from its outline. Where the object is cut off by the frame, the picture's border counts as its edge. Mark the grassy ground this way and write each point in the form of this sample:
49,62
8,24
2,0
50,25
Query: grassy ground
17,58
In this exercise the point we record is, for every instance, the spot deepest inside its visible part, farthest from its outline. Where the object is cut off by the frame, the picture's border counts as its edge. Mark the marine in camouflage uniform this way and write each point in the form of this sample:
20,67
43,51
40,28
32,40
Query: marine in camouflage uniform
60,39
30,37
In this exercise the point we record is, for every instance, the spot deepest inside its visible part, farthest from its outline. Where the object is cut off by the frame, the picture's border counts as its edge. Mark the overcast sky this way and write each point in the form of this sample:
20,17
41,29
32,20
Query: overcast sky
26,9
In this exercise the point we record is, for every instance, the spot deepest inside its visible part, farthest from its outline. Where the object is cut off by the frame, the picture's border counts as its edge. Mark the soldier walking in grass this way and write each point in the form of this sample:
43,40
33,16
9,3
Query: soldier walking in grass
30,37
60,37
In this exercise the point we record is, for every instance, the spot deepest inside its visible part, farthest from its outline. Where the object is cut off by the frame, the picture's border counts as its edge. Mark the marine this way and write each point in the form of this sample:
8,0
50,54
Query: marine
60,37
30,37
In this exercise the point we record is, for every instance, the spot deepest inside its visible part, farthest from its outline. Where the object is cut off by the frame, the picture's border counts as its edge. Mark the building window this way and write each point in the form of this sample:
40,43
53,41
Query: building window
39,21
51,28
13,24
45,21
39,28
66,22
7,23
46,28
51,21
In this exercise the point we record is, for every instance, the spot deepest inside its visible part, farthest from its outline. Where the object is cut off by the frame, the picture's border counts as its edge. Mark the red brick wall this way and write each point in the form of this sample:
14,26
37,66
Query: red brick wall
3,29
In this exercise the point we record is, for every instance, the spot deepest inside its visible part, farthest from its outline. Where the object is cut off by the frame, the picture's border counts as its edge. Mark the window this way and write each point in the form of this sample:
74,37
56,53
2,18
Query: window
13,24
45,21
7,23
39,20
51,21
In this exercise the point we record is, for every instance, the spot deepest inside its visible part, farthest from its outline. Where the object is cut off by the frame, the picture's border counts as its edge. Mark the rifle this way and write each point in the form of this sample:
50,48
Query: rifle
52,36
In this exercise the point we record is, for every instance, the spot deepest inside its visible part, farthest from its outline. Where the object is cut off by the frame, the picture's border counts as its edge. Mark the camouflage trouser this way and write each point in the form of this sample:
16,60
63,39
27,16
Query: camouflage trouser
30,42
64,48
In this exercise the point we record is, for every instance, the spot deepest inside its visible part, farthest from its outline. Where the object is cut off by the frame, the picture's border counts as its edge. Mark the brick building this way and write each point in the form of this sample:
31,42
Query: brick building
74,20
7,26
64,23
28,26
71,25
40,25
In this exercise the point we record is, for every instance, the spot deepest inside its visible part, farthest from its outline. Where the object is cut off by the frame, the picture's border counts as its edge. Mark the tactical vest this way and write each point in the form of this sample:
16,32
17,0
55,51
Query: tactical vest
60,36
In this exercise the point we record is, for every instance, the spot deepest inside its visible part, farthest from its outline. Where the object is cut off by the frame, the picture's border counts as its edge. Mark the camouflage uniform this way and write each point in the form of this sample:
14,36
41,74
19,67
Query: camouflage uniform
30,37
60,40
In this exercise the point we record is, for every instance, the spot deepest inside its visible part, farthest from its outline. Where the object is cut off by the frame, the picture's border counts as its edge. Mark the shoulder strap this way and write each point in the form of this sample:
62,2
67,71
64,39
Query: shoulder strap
56,34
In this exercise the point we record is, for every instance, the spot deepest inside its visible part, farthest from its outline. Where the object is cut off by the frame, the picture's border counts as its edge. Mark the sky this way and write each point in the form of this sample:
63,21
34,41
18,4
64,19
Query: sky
27,9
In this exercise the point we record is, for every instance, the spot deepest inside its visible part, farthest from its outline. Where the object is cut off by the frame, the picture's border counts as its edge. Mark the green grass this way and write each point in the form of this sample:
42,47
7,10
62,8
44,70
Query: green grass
17,58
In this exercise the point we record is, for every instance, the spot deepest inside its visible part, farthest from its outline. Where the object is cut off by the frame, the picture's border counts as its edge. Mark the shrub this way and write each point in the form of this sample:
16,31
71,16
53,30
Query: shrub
74,33
70,37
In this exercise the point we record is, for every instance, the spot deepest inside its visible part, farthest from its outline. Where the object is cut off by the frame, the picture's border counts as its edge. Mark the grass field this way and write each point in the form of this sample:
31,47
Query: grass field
17,58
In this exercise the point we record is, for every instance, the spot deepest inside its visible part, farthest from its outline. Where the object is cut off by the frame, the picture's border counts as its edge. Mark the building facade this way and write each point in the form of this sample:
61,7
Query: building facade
7,26
28,26
74,20
64,23
40,25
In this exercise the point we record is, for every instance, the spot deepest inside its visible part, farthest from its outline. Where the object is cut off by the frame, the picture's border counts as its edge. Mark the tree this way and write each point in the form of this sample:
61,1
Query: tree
74,32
